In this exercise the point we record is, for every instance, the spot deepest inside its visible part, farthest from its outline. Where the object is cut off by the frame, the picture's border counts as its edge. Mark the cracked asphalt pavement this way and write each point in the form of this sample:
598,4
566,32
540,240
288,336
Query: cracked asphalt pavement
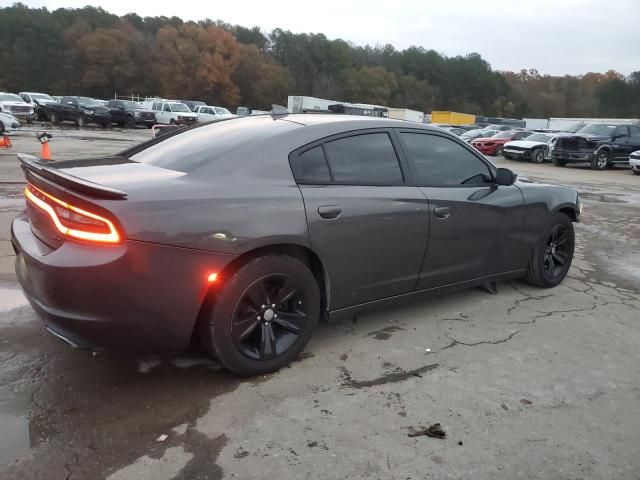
527,383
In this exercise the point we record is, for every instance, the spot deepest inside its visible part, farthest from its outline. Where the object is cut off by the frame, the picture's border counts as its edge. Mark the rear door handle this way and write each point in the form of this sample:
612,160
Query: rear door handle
442,212
330,212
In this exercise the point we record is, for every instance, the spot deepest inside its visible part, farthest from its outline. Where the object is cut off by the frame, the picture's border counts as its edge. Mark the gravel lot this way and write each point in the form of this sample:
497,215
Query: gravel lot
527,383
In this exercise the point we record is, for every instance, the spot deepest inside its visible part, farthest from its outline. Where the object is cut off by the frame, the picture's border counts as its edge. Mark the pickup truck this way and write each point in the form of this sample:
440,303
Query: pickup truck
38,101
131,114
207,113
80,110
600,145
14,105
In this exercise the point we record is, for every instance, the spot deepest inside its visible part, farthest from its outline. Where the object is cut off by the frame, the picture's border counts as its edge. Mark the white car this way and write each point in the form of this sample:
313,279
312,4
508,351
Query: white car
8,123
14,105
634,162
170,112
39,102
207,113
535,148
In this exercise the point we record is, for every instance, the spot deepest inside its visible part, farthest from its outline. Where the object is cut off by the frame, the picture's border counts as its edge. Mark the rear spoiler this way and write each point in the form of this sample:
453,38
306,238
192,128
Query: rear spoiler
33,166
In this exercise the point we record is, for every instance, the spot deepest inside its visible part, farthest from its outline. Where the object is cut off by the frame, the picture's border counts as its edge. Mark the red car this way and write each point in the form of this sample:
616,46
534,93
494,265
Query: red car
493,145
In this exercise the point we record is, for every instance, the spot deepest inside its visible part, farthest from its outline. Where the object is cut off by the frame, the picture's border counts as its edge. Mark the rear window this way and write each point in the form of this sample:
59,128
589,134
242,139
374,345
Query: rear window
193,148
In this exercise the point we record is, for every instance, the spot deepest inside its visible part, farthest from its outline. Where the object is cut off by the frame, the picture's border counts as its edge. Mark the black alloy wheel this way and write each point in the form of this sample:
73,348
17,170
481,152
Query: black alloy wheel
269,316
558,251
552,255
263,315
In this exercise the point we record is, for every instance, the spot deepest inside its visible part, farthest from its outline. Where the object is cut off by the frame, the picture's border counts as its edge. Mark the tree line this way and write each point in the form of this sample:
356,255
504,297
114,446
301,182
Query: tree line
92,52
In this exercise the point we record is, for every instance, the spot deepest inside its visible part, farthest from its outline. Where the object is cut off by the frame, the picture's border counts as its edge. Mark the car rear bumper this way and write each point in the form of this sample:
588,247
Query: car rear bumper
136,297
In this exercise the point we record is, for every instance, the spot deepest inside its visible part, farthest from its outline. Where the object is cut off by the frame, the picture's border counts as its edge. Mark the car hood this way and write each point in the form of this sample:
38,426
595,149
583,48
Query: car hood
524,144
11,103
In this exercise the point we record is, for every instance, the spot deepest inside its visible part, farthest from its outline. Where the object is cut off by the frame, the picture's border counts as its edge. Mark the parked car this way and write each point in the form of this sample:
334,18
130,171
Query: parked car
493,145
207,113
536,148
171,113
38,101
129,113
479,133
8,123
600,145
80,110
220,233
192,104
14,105
634,162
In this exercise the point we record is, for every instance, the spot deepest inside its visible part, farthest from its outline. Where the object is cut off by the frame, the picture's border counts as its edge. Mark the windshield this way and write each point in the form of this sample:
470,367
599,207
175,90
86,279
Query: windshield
597,129
537,137
87,102
472,133
222,111
489,133
179,107
10,97
505,134
42,96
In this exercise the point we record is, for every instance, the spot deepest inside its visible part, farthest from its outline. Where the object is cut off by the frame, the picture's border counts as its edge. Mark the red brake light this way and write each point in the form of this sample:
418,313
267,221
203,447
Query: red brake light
72,221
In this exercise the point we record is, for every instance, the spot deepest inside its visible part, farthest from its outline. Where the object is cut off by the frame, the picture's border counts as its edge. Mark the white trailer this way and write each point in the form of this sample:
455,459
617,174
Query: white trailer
572,123
536,123
301,104
406,114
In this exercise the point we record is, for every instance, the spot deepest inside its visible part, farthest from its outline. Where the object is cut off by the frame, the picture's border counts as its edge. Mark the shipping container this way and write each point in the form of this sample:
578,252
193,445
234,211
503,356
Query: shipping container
406,114
452,118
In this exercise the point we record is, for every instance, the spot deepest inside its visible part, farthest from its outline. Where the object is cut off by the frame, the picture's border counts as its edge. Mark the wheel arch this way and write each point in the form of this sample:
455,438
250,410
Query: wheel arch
568,209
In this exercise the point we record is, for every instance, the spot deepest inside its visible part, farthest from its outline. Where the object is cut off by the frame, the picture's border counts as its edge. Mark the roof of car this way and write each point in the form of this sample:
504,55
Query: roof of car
359,121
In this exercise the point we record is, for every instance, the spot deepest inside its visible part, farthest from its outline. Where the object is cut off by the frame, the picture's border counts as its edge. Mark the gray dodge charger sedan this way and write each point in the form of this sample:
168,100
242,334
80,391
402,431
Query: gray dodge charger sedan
243,234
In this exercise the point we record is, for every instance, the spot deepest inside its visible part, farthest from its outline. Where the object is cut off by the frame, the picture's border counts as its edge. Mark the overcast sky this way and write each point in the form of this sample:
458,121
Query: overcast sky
553,36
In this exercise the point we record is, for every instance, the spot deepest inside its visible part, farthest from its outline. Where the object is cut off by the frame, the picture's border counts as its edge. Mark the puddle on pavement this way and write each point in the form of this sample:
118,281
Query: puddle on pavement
14,439
11,298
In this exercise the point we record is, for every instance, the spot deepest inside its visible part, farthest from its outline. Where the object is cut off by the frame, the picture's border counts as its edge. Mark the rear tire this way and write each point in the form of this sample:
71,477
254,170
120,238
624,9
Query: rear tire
245,332
537,156
552,255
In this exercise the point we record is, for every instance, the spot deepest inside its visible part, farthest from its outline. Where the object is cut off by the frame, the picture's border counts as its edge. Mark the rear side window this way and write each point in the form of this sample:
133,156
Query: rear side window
311,167
635,131
368,159
195,147
440,161
621,131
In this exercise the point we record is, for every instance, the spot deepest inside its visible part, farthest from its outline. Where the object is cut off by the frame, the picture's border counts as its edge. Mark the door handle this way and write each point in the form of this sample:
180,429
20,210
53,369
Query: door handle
442,212
330,212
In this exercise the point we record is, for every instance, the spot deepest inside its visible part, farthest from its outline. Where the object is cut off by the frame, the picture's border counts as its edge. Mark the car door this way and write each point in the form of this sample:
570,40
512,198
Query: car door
69,108
475,226
365,221
621,144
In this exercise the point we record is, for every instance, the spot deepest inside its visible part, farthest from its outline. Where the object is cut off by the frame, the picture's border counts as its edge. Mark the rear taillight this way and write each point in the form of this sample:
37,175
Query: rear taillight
71,221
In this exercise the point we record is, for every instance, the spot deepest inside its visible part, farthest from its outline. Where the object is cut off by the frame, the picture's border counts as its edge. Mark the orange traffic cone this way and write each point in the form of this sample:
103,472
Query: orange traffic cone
5,142
46,151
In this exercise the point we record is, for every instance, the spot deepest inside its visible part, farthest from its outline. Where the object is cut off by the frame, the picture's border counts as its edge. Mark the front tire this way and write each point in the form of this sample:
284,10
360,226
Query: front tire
601,160
537,156
263,316
552,255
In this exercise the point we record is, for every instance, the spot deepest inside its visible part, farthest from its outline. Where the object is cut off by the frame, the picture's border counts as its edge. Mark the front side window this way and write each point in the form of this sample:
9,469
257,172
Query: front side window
440,161
166,107
367,159
621,131
634,130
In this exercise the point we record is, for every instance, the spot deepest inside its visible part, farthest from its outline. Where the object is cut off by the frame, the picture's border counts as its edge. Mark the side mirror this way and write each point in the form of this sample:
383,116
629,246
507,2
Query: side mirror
506,177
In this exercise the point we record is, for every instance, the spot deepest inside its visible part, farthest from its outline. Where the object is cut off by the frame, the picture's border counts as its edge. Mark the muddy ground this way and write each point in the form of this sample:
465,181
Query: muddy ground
527,383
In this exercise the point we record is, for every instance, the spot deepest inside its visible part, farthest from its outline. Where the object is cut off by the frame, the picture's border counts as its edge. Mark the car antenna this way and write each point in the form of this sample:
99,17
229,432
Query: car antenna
278,111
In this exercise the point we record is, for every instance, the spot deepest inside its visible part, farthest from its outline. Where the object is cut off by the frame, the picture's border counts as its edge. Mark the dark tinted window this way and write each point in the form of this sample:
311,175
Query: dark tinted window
311,167
621,131
521,135
368,159
441,161
635,130
195,147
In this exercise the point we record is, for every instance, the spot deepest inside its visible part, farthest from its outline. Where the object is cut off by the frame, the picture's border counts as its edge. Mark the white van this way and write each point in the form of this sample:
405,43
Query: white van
170,112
